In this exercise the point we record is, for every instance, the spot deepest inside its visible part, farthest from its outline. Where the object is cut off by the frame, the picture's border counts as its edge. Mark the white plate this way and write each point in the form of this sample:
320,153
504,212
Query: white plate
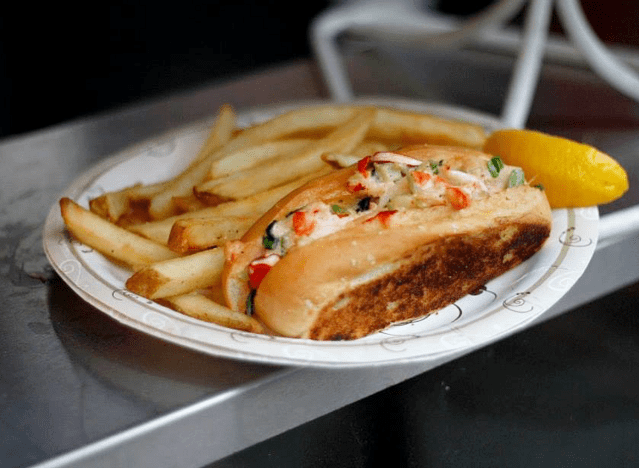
507,304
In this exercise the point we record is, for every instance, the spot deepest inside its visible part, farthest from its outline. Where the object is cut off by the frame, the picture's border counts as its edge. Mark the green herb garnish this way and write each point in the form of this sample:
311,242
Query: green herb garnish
269,241
250,302
516,178
337,209
495,165
434,166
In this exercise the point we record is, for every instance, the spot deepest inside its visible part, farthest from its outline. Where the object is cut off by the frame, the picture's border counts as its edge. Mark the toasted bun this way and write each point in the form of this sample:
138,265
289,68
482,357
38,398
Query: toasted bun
366,276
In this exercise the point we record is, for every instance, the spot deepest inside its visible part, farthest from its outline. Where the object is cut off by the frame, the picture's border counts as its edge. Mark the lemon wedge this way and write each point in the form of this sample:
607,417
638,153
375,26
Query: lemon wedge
573,174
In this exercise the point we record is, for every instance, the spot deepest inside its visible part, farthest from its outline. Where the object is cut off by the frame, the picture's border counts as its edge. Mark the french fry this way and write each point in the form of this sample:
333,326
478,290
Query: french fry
302,121
114,205
368,147
256,205
99,206
254,155
195,234
188,203
340,160
110,240
220,134
161,204
178,275
271,174
343,159
202,308
405,127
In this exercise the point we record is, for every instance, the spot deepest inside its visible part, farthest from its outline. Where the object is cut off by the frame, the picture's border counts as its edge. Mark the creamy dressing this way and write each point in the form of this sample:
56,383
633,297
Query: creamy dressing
326,222
269,260
386,183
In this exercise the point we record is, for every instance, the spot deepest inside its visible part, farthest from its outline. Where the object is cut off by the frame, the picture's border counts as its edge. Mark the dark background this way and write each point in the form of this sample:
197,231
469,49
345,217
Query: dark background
57,63
61,62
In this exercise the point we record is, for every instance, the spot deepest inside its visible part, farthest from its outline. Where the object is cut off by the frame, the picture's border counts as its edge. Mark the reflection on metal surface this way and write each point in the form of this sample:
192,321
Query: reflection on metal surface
406,24
145,368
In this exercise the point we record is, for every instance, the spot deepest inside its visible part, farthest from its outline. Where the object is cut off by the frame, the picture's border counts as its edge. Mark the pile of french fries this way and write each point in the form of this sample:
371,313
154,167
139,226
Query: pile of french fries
171,234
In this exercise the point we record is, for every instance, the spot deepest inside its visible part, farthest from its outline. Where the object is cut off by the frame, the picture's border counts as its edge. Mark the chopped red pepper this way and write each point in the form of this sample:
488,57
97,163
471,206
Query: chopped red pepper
362,166
303,224
439,180
384,217
421,177
356,188
257,272
457,197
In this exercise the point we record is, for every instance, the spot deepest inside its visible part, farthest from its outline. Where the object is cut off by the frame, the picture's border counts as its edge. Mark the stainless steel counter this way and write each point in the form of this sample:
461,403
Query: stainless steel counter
78,389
